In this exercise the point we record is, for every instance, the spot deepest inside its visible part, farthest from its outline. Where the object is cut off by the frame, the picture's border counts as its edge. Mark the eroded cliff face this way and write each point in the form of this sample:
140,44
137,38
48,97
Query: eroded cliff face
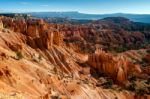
1,24
106,34
36,63
39,34
118,68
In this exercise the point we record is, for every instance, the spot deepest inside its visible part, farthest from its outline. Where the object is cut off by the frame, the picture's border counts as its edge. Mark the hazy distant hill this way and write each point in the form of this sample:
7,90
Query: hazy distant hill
76,15
59,16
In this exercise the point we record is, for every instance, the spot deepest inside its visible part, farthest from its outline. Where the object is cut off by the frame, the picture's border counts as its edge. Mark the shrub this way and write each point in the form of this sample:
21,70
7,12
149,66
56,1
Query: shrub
121,49
19,54
55,70
131,87
108,84
40,57
5,26
132,78
148,51
148,81
140,91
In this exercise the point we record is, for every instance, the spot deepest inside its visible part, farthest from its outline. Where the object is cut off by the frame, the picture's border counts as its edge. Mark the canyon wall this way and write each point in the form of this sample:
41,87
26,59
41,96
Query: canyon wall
41,61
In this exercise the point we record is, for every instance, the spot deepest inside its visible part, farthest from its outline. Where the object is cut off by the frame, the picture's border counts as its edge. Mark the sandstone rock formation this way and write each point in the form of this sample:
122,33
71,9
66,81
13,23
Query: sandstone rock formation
39,34
118,68
106,33
1,24
37,63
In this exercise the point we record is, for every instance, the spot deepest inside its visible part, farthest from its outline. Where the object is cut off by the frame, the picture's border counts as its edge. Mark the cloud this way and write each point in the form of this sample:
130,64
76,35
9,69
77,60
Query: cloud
44,5
24,3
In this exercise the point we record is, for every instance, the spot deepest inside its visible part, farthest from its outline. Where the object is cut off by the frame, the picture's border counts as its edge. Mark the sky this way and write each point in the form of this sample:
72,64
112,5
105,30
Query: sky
83,6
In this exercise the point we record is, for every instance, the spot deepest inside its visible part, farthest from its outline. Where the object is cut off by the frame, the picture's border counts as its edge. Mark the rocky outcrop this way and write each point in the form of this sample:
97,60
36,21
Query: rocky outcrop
1,24
106,33
40,62
32,31
117,68
39,34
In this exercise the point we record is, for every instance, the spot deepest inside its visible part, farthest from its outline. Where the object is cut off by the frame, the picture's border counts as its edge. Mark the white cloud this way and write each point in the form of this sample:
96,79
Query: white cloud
24,3
44,5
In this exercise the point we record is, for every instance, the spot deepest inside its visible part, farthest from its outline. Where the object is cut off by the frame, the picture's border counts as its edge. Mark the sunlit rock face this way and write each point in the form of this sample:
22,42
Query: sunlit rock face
105,33
39,33
1,24
118,68
37,63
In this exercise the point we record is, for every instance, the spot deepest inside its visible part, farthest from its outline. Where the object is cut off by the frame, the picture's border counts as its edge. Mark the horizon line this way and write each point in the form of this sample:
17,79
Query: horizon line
25,12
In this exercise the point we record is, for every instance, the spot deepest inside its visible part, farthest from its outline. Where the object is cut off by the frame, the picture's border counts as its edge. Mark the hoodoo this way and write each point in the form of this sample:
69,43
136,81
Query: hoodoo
39,60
